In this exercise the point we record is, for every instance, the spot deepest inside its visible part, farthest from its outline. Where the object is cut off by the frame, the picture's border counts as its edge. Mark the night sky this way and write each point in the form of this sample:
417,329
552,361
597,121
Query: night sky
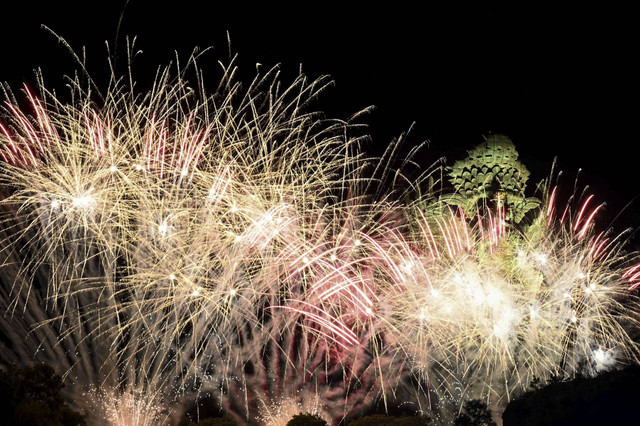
558,82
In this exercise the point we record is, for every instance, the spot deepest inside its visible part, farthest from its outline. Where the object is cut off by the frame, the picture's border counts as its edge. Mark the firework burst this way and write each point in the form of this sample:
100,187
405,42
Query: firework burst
172,245
491,306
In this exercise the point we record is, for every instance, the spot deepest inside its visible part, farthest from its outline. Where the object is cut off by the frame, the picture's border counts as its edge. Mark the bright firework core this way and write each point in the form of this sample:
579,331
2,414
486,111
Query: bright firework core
83,202
174,246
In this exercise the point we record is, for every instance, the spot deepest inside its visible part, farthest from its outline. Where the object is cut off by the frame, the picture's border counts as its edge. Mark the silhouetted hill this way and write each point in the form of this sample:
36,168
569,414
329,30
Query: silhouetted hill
610,399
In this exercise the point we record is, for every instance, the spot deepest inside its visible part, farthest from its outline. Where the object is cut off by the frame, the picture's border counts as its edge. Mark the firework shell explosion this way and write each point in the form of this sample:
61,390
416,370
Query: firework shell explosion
167,246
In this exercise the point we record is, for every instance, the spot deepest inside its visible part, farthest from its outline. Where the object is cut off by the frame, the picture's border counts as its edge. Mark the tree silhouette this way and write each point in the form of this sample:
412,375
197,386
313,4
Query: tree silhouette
31,396
383,420
475,413
610,398
306,420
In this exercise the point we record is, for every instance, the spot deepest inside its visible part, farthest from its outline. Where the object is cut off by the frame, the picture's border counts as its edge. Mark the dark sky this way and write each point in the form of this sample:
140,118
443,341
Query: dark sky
558,82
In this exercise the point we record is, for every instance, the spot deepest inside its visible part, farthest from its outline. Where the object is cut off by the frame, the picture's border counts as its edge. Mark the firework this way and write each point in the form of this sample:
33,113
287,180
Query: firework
182,233
487,308
170,246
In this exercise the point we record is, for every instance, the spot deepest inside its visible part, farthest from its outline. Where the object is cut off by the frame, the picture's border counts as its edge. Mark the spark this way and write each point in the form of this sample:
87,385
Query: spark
289,272
83,202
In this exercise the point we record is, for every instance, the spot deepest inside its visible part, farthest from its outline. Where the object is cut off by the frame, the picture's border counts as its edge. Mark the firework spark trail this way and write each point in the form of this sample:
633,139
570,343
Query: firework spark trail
163,233
225,246
35,331
549,299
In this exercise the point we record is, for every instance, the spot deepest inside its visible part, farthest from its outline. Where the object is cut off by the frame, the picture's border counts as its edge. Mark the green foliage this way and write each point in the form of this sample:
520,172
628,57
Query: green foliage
31,396
491,171
383,420
306,420
475,413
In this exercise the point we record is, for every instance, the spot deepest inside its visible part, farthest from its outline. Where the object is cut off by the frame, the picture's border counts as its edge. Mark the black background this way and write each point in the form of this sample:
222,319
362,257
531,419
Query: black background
559,82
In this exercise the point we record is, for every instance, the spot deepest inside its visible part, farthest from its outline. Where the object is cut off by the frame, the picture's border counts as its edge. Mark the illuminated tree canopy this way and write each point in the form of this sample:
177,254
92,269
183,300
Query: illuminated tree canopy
491,171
